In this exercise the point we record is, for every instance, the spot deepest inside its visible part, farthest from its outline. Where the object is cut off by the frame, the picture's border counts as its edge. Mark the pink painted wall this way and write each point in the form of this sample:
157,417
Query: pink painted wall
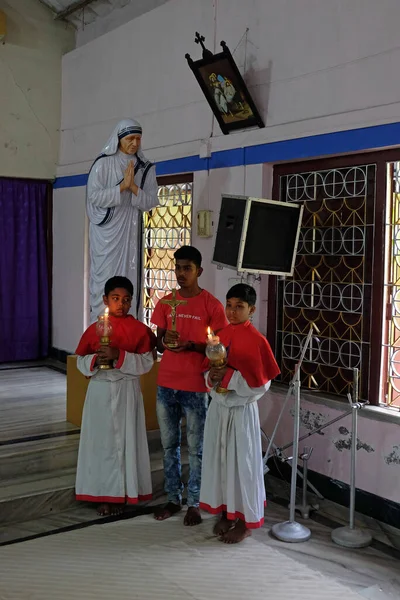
378,457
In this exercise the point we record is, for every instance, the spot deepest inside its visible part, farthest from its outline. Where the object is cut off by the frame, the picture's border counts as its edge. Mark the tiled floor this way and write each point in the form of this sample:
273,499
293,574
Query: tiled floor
141,558
32,403
32,406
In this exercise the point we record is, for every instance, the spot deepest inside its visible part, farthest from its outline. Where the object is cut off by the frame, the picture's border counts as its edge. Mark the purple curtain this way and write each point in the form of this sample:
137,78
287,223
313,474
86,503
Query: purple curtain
24,285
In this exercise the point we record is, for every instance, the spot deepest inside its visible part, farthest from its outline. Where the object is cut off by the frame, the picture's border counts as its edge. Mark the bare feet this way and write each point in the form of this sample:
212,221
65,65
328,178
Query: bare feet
192,517
167,511
103,510
117,509
223,525
237,534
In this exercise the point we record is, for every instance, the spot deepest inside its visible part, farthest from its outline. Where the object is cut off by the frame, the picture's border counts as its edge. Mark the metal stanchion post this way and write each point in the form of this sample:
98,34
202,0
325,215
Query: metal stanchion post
291,531
350,536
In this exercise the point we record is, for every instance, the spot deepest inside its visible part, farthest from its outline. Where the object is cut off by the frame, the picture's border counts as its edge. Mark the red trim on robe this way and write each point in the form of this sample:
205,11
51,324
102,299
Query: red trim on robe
227,377
93,363
121,359
232,516
113,499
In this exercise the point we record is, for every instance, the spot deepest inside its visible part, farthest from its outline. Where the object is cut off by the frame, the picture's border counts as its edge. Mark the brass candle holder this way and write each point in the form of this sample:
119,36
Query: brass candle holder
104,331
216,354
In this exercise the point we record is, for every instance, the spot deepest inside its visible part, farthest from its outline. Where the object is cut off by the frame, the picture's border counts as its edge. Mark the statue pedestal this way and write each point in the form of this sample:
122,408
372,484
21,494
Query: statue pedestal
76,391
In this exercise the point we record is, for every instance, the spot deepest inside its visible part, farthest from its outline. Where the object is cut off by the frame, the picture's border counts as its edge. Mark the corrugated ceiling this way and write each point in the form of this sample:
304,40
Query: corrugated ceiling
83,12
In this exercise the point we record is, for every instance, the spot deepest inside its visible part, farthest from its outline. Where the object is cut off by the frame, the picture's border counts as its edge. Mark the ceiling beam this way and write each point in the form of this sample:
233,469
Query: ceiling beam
73,8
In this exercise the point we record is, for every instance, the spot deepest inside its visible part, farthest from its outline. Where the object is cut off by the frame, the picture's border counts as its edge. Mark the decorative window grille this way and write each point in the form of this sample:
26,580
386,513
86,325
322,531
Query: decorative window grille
390,372
332,281
166,228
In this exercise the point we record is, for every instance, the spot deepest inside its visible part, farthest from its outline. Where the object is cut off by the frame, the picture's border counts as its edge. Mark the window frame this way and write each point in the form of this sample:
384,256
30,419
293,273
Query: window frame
380,159
165,180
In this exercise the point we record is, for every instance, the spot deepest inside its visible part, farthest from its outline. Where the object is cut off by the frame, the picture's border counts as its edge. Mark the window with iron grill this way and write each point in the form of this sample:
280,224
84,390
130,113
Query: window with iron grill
332,282
166,228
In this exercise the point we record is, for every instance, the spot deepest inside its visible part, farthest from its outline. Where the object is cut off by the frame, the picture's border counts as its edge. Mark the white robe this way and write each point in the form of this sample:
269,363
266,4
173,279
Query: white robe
232,477
113,459
115,225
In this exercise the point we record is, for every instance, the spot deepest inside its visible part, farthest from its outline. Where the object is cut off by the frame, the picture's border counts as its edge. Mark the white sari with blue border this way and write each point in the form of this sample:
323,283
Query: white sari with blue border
116,220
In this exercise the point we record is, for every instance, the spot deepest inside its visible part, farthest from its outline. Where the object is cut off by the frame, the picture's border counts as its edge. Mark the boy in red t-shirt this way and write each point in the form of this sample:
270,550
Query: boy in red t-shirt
181,386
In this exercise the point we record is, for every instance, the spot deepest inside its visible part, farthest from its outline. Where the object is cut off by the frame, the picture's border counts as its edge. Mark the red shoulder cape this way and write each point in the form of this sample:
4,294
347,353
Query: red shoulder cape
250,353
128,334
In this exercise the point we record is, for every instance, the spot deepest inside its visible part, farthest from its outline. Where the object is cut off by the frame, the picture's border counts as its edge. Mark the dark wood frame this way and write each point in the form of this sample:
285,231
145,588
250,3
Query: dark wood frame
208,60
49,245
171,179
380,159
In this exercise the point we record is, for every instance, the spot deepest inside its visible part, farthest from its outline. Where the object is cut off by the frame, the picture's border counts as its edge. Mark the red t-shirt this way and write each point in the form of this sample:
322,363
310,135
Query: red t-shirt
184,370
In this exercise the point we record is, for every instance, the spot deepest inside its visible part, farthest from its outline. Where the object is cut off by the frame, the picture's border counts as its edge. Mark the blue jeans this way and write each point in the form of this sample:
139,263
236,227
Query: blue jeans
172,405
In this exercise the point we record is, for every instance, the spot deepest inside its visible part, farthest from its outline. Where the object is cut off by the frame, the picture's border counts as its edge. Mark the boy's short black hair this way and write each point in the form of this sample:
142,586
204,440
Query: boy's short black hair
118,282
244,292
189,253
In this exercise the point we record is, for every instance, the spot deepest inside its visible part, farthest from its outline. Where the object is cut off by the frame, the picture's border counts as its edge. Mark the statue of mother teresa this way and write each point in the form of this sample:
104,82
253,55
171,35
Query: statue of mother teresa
122,183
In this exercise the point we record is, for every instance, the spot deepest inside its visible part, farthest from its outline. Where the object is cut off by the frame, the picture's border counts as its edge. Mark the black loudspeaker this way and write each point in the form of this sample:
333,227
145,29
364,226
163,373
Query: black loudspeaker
257,235
229,232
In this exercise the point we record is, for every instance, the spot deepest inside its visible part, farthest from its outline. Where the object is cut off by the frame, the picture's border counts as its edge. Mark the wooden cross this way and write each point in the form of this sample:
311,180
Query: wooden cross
173,303
200,39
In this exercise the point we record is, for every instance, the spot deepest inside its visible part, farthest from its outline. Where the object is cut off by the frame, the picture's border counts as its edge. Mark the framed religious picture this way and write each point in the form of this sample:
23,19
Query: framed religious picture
225,89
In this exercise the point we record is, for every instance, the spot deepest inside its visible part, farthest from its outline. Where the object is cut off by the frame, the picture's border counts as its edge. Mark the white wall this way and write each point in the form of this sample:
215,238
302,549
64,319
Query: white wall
313,66
112,16
69,261
30,89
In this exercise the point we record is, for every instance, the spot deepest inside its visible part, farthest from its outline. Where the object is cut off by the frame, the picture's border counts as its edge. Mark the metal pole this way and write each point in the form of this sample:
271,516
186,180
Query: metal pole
291,531
352,537
279,454
316,430
354,435
271,439
305,473
295,458
356,373
289,393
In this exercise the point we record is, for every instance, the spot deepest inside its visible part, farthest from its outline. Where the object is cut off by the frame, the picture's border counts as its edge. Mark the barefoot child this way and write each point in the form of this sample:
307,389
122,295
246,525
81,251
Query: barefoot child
232,474
113,461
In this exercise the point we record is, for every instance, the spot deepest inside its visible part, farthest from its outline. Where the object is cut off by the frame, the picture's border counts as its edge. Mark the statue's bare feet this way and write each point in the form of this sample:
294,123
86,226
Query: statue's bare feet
167,511
223,525
192,517
103,510
237,534
117,509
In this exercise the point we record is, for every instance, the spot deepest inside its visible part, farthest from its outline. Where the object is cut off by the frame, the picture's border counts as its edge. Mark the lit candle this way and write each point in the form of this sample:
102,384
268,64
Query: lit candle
213,340
107,310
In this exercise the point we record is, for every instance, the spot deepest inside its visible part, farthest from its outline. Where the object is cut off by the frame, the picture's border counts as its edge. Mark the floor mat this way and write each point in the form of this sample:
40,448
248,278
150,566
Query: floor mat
145,559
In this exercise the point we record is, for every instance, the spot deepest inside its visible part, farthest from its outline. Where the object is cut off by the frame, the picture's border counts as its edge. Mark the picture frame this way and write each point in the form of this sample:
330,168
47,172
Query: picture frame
225,90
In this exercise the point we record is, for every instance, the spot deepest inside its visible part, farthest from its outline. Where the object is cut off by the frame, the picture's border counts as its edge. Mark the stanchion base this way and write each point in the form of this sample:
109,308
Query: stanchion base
291,532
351,538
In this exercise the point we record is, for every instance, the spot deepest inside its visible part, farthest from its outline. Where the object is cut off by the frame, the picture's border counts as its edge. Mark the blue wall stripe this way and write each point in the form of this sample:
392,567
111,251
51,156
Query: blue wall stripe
227,158
188,164
71,181
325,144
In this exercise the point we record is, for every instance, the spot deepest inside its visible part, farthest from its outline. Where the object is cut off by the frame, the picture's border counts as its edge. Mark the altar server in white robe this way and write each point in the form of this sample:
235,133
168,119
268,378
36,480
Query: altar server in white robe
122,183
113,460
232,478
